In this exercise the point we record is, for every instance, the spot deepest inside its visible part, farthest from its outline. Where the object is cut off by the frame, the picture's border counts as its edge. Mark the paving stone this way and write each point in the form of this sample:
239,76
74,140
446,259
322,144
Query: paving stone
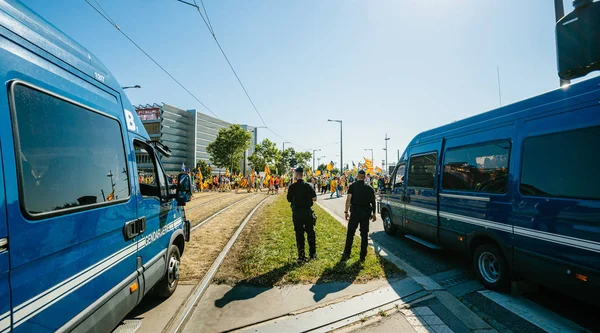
441,329
423,311
433,320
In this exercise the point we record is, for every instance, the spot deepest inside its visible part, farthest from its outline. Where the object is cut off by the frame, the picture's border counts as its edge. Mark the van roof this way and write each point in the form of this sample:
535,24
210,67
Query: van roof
573,94
24,22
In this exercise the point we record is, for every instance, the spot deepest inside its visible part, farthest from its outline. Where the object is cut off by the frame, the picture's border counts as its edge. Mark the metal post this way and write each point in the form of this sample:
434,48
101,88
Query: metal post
386,151
341,150
398,155
559,12
314,150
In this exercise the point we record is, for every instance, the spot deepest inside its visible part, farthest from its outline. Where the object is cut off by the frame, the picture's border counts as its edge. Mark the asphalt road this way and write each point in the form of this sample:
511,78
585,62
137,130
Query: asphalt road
450,268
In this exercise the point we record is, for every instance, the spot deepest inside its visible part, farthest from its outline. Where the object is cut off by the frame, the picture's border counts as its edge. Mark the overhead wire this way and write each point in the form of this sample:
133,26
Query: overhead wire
212,32
114,23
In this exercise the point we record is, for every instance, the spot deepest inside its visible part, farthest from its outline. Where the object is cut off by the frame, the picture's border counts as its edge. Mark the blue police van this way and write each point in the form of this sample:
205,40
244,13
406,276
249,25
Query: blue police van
88,223
516,187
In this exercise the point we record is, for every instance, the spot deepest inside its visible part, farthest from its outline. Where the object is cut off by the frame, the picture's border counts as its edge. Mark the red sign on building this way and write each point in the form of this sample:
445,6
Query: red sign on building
148,113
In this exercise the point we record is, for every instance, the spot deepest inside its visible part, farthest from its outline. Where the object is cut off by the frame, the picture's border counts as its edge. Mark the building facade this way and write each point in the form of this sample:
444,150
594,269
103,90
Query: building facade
187,133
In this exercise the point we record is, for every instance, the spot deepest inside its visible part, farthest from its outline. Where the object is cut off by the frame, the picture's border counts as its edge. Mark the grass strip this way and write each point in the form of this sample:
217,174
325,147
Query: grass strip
265,254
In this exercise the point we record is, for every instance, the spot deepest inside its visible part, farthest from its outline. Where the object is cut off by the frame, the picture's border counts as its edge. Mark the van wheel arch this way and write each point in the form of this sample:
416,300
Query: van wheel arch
484,251
179,242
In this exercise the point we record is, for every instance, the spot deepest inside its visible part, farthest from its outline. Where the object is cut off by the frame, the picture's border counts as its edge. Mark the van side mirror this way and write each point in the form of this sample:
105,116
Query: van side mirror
578,40
184,189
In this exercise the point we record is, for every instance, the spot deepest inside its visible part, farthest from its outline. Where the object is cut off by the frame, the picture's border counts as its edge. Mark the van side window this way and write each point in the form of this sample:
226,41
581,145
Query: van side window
477,168
148,178
562,164
68,156
421,171
399,175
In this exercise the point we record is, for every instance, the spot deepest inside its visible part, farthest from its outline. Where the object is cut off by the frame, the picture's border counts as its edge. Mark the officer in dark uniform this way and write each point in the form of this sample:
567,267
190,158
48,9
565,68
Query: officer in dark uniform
360,206
301,195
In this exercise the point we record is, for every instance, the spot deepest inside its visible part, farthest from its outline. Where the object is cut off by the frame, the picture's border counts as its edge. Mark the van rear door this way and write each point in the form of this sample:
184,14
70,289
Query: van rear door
4,264
421,195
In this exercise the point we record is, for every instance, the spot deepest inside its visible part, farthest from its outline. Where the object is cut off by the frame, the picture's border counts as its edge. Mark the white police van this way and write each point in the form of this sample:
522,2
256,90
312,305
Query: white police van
82,236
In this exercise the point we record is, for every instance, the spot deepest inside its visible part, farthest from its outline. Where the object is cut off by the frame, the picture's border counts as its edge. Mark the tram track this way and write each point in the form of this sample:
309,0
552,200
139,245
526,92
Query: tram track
178,321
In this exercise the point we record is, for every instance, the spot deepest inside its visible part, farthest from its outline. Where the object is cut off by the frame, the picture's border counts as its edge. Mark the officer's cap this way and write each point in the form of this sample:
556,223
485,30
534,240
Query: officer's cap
299,170
361,172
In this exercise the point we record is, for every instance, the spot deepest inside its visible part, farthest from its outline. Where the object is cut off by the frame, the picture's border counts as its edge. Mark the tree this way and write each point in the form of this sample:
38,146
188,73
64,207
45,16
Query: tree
335,171
286,157
228,148
322,167
265,152
204,168
303,159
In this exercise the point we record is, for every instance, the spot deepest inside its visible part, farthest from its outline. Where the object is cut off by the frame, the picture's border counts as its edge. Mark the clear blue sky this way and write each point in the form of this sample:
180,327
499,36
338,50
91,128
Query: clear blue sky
395,66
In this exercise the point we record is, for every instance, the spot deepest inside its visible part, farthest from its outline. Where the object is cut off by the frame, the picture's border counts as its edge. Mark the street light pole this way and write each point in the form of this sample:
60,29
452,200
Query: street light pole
314,150
341,145
282,161
386,161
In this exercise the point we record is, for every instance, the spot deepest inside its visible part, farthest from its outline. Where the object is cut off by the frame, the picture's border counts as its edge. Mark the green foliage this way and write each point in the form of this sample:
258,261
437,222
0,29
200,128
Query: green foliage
265,152
286,156
269,254
303,158
335,171
228,148
203,168
322,167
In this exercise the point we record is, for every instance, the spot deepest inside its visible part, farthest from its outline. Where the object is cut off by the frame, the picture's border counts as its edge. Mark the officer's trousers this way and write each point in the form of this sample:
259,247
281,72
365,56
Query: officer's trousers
358,217
303,222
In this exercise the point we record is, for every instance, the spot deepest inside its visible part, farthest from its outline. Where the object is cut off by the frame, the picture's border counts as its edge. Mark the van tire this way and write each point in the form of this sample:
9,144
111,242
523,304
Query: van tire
167,285
491,267
388,225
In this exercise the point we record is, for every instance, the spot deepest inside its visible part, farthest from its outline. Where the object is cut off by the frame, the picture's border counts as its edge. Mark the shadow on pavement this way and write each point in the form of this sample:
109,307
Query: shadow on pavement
321,288
248,289
148,303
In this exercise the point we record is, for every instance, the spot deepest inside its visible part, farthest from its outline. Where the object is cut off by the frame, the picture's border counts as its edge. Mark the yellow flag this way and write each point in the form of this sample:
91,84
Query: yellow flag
369,165
267,170
318,172
378,170
329,166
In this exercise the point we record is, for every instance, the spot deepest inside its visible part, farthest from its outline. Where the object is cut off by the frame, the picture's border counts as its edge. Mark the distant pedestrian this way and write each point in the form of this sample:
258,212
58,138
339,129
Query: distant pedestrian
360,206
301,196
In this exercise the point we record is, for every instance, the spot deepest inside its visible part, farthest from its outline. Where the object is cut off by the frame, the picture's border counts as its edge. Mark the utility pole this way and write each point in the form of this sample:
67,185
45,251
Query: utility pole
314,150
386,150
559,12
398,155
341,145
282,160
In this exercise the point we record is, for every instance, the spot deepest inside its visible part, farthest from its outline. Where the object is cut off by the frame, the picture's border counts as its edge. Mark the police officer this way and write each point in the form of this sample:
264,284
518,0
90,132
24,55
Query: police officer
301,195
360,206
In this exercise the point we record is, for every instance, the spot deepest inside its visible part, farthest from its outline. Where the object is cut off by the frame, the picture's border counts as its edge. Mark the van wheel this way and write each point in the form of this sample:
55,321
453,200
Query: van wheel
388,226
491,268
167,285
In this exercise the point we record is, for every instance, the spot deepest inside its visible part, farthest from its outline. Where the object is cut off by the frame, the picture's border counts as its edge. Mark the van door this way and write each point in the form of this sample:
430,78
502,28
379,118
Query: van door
556,212
70,200
397,193
5,321
474,196
154,206
421,194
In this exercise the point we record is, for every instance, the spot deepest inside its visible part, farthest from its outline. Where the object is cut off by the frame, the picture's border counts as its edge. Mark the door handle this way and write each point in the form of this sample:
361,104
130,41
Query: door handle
130,229
134,228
